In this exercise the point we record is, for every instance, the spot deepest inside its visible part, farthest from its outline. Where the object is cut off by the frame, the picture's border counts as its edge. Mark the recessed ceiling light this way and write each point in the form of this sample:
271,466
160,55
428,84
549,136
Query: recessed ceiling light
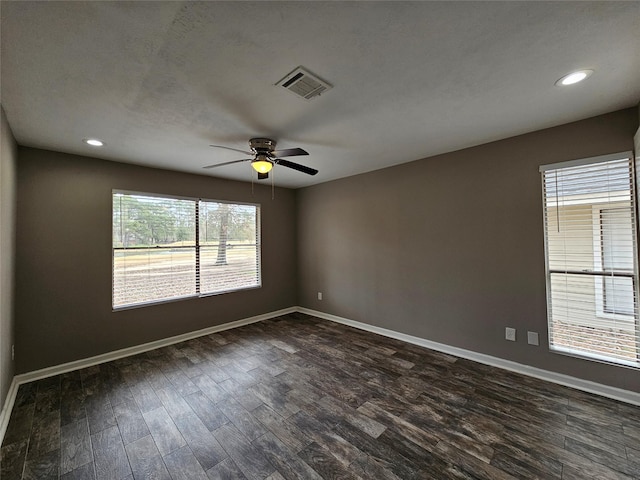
94,142
574,77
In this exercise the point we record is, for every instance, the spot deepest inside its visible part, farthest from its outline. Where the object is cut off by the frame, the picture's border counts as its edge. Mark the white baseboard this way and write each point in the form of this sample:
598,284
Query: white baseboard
7,408
626,396
125,352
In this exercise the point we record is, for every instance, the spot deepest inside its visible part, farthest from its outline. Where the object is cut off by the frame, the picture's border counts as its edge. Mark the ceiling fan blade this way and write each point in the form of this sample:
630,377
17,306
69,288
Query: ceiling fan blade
296,166
228,163
289,152
234,149
263,176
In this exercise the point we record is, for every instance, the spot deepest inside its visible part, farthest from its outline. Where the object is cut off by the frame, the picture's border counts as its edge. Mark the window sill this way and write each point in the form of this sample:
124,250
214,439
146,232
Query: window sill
178,299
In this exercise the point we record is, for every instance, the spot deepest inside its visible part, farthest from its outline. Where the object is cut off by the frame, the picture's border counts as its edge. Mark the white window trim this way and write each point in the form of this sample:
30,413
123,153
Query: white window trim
177,298
565,350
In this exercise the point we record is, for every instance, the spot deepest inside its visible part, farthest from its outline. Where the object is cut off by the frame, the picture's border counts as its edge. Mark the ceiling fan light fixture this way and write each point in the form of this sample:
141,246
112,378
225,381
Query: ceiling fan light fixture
262,165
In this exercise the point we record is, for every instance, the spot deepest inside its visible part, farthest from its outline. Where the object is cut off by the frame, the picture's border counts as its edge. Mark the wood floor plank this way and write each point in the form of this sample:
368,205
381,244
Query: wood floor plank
241,393
207,411
182,465
461,461
276,476
288,464
345,452
368,467
173,402
75,446
365,423
145,397
515,429
99,413
631,435
425,461
111,461
602,457
445,430
424,438
84,472
12,458
26,395
580,428
225,470
20,422
119,392
520,464
72,406
45,434
288,433
389,402
249,459
203,444
612,447
581,472
633,457
47,401
276,399
214,371
325,464
163,430
382,453
210,388
49,384
182,383
154,375
242,419
130,421
145,460
575,462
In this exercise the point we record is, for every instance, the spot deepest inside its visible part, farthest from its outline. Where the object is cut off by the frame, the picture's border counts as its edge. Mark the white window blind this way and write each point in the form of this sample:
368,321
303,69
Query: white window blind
229,248
616,251
591,258
169,248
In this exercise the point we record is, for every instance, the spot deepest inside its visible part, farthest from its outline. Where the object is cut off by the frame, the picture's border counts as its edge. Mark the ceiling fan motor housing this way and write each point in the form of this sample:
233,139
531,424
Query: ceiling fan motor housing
262,145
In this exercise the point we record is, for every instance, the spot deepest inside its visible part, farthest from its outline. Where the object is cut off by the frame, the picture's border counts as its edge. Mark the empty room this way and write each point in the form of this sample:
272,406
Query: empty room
319,240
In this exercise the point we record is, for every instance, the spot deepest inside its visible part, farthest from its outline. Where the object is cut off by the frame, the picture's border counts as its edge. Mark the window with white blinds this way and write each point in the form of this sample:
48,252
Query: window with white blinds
167,248
591,258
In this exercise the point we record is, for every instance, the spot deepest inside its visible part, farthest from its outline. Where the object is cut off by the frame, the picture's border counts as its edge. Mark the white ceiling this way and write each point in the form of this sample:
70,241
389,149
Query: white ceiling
160,81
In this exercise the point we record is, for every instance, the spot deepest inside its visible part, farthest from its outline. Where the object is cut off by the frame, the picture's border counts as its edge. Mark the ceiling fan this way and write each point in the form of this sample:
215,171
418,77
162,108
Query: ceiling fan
265,157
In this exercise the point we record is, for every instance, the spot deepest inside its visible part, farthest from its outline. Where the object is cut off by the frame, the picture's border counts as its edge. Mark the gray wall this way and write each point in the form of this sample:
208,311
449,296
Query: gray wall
63,259
447,248
7,245
450,248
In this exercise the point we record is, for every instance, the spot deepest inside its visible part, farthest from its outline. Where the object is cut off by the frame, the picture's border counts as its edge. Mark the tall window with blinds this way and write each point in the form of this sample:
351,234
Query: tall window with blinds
168,248
591,258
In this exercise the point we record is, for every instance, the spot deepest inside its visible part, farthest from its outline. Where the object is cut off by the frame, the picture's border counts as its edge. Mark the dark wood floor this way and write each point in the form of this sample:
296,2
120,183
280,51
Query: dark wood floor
302,398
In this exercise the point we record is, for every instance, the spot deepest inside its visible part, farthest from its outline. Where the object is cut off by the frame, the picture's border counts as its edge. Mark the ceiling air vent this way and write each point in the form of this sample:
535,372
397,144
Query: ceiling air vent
304,84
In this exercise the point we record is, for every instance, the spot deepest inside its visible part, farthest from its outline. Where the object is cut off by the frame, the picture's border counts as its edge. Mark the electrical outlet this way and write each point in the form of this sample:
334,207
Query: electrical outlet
319,295
532,338
510,334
